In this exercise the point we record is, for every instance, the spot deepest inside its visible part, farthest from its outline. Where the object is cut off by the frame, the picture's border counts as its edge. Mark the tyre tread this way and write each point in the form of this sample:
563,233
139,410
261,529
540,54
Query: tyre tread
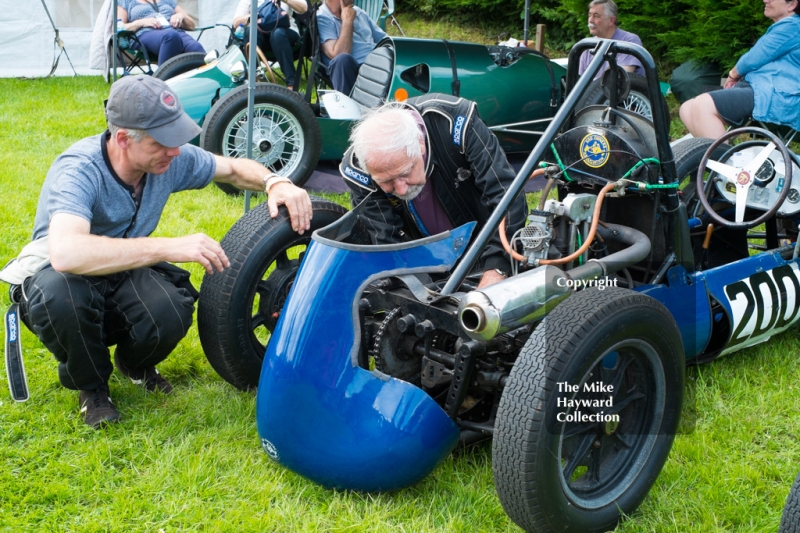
514,453
226,345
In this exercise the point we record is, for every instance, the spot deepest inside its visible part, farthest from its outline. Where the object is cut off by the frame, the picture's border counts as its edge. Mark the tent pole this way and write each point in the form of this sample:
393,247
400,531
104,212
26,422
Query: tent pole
60,44
251,87
115,44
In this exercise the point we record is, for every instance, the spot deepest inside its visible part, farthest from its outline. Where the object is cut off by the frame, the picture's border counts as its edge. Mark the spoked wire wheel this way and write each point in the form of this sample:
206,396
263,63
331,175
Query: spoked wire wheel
278,138
286,135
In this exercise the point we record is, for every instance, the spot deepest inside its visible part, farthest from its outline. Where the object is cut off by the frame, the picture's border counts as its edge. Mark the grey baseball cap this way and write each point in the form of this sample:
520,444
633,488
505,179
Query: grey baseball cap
146,103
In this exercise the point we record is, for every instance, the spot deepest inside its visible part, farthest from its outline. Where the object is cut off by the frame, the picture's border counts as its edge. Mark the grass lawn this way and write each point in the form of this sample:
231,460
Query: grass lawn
191,461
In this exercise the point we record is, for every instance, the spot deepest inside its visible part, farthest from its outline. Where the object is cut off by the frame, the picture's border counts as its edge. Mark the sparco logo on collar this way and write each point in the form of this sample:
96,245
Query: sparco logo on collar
357,175
168,100
12,327
457,129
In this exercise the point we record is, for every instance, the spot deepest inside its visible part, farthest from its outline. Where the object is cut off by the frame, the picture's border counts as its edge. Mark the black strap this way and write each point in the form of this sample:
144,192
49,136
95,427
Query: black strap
548,64
456,84
15,368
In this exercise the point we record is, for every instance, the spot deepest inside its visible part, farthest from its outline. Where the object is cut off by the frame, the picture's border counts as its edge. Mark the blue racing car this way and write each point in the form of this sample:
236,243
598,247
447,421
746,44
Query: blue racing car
382,359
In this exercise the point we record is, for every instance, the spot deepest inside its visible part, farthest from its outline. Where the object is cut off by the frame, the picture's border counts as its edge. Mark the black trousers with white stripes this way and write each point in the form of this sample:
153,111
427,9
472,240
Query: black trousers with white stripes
144,312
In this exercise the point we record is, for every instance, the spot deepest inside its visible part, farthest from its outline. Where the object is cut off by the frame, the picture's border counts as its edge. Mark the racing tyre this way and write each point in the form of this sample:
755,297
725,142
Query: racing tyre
179,64
238,308
790,521
286,135
561,468
636,101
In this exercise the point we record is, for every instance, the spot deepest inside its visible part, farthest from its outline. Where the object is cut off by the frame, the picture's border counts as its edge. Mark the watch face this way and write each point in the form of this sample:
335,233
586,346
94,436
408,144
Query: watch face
764,174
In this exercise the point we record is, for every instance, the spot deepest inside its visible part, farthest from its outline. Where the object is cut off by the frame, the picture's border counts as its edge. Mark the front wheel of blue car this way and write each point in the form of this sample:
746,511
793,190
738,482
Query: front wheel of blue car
589,412
286,135
790,521
238,308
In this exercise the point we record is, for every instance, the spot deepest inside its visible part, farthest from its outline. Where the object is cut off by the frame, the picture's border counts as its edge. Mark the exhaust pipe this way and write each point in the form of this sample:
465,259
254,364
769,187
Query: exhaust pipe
511,303
514,302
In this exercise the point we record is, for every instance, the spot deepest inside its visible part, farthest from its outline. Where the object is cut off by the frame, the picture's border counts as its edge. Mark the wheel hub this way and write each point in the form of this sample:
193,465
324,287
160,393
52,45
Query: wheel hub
277,141
610,427
274,291
264,146
266,140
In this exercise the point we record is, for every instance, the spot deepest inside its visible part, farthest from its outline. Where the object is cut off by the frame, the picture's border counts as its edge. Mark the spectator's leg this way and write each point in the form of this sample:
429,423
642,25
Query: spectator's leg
190,44
163,43
148,316
67,313
343,70
700,117
282,40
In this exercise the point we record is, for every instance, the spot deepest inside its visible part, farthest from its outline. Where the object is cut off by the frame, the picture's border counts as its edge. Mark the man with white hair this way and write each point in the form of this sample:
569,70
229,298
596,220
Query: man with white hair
429,165
603,24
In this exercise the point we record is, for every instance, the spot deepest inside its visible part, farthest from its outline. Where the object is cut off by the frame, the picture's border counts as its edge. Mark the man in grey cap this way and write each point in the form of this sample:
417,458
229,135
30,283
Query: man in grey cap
93,277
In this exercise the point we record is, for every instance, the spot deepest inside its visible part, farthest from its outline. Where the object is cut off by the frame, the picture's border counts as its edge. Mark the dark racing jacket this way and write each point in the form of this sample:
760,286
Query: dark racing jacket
467,168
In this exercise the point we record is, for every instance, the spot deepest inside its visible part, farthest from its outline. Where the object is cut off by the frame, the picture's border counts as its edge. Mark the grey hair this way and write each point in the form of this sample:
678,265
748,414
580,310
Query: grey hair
386,130
609,6
134,134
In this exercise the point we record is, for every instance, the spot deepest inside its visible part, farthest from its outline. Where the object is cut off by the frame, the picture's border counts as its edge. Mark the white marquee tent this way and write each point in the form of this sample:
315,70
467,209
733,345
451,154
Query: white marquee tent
27,38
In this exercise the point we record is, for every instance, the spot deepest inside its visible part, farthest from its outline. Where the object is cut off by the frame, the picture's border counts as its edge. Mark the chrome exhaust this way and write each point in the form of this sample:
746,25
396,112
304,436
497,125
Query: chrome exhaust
511,303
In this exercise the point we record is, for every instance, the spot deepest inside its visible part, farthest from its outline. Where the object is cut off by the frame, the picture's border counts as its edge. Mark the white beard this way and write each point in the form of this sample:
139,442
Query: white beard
412,192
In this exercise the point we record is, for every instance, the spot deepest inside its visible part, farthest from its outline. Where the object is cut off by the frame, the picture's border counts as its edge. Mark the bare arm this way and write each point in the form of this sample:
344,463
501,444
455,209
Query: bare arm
181,19
249,174
73,249
298,6
244,20
344,44
150,22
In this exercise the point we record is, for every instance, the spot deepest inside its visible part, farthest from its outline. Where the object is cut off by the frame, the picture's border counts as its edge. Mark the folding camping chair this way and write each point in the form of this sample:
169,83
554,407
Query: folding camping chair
131,54
301,50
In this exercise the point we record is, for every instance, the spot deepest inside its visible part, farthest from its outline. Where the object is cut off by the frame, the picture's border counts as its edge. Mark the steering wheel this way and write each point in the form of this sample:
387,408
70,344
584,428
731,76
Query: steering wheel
743,178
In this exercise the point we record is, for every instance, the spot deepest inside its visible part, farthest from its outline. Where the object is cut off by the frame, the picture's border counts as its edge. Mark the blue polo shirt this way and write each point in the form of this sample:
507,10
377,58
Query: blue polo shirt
81,182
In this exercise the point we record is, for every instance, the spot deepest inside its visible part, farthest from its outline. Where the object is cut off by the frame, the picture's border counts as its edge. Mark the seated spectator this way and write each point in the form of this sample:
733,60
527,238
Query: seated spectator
763,84
279,36
603,24
347,36
159,25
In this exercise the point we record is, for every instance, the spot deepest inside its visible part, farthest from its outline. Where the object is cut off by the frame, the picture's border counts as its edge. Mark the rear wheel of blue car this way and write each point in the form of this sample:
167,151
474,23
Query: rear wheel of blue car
286,135
179,64
636,100
238,308
589,412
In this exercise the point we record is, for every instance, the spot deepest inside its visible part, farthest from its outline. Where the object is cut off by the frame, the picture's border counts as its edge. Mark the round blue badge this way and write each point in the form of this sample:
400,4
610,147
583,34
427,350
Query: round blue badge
594,150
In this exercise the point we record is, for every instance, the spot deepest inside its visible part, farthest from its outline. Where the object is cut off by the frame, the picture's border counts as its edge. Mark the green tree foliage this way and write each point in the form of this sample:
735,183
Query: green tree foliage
674,31
703,30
